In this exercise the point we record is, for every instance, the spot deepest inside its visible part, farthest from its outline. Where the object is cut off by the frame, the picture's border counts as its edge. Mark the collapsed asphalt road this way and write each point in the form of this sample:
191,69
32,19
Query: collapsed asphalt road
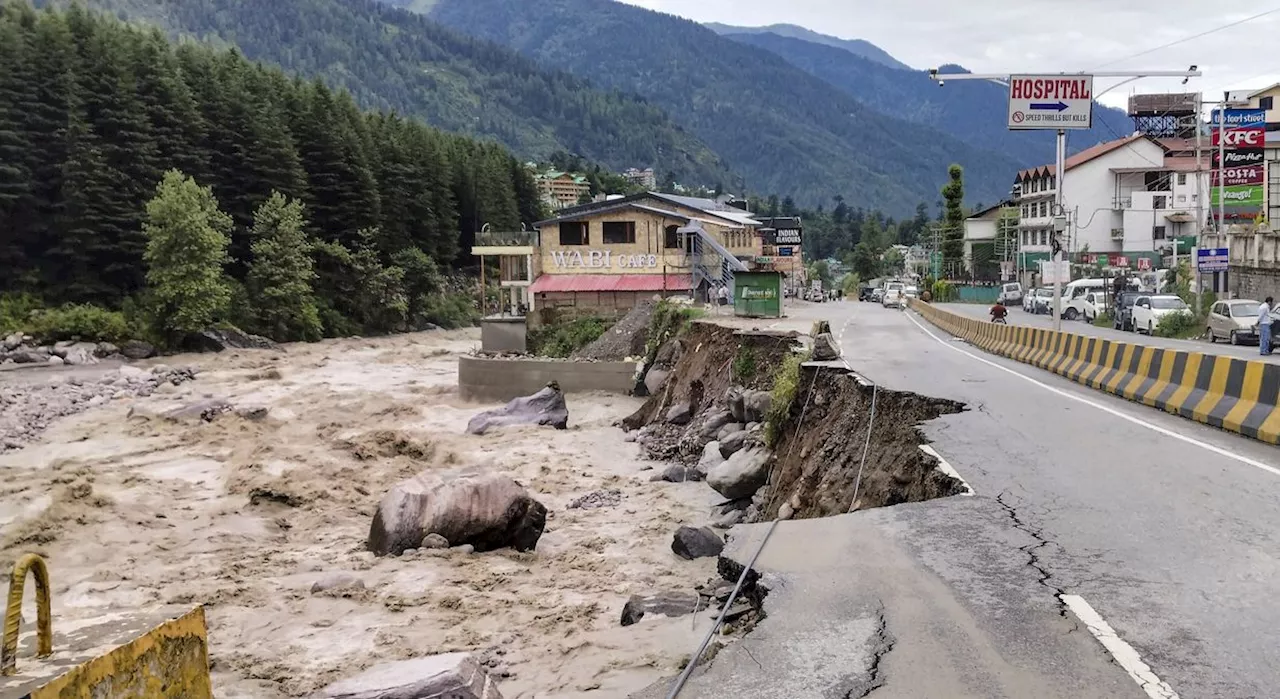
1168,529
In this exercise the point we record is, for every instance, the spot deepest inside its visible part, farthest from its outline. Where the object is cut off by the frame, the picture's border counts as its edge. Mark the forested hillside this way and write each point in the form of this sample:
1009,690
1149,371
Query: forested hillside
392,59
785,130
974,111
92,115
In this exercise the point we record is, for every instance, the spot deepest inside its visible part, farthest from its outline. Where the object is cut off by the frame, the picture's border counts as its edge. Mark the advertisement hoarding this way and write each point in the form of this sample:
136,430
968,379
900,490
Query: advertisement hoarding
1050,102
1239,175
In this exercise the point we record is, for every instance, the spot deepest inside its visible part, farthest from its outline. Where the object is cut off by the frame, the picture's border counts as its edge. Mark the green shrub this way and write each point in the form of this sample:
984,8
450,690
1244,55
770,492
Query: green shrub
78,322
1181,325
1104,320
447,310
786,385
668,321
744,364
15,312
563,339
944,291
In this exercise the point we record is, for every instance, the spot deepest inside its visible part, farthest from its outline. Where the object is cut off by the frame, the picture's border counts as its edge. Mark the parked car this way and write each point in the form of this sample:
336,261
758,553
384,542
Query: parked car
865,293
1122,311
1149,310
877,295
1011,294
1234,321
912,292
894,295
1029,300
1090,306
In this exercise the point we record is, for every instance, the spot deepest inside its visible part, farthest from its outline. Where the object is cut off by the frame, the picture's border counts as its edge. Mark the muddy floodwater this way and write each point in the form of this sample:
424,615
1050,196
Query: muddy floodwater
244,514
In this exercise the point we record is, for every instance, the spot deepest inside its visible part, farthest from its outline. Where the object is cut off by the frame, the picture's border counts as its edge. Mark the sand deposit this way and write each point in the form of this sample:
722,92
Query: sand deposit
247,511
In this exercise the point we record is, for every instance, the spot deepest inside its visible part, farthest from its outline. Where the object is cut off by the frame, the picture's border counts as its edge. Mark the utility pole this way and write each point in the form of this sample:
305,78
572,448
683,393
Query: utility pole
1200,218
1056,101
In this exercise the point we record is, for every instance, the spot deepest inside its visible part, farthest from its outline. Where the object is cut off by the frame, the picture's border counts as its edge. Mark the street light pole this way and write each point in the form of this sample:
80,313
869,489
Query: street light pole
1059,225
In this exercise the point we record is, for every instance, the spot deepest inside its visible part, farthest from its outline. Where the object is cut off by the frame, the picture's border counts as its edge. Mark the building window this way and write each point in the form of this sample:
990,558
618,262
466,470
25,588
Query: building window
1160,202
1157,232
619,232
671,237
1044,209
574,233
1182,178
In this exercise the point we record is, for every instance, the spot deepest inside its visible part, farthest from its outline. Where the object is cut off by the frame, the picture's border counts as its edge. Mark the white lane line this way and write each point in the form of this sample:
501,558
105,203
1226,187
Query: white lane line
1123,653
947,468
1107,409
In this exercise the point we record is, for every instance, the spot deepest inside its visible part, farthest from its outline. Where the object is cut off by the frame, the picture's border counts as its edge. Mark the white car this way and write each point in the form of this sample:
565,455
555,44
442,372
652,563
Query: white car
1041,300
894,295
1088,307
1148,310
1234,321
912,292
1012,293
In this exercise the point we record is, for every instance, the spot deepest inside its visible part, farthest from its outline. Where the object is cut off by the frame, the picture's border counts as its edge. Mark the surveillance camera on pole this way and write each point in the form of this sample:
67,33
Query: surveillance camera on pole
1058,102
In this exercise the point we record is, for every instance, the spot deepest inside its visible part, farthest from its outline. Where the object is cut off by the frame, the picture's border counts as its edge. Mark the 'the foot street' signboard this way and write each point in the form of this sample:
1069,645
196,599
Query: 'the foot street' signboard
1050,101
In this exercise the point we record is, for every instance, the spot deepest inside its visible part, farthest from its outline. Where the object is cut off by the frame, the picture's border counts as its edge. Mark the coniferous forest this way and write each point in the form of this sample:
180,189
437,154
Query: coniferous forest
283,189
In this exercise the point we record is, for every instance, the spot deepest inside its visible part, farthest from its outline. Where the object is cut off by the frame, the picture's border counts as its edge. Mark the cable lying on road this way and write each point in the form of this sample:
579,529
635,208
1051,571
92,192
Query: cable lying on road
680,682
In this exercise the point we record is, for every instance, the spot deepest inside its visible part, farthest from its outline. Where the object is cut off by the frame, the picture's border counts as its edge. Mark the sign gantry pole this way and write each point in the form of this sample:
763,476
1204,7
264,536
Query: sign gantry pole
1059,102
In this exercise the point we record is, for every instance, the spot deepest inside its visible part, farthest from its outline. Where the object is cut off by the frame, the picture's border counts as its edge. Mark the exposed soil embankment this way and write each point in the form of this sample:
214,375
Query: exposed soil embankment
816,466
701,364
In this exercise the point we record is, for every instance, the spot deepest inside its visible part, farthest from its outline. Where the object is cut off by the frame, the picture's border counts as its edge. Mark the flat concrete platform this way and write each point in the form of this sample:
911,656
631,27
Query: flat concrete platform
159,653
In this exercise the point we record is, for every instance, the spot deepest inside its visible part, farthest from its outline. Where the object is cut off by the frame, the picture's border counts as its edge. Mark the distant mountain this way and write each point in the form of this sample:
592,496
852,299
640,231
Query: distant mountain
393,59
857,47
787,131
973,111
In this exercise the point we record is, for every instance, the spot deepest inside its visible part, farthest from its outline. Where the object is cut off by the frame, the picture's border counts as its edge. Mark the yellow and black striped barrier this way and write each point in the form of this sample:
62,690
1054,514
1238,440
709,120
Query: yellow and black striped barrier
1239,395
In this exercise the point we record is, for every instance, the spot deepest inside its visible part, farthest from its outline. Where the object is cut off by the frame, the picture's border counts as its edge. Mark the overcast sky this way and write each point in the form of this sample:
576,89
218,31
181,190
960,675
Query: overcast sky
1036,35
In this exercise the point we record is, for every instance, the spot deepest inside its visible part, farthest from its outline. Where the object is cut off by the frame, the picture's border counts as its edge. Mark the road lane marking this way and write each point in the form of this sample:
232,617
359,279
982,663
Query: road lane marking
1105,408
947,468
1124,654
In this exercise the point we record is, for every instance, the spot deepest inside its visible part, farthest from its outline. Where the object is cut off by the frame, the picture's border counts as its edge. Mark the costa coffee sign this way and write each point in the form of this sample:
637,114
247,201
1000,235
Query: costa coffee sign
1229,177
1240,138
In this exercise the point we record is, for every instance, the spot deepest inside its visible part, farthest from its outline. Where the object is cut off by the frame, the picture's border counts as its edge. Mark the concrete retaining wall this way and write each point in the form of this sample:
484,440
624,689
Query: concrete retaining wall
1239,395
484,379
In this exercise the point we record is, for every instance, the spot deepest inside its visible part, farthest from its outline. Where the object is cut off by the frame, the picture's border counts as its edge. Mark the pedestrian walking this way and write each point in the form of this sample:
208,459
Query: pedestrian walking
1264,326
723,295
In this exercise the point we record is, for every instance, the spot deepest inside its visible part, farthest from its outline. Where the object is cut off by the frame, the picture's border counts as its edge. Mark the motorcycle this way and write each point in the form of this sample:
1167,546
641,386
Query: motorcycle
999,319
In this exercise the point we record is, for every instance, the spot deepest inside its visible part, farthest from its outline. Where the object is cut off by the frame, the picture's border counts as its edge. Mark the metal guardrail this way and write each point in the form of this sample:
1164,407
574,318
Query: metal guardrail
506,239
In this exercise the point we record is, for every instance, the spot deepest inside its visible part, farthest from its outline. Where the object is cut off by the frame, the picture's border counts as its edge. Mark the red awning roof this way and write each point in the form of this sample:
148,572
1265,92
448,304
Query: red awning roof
611,282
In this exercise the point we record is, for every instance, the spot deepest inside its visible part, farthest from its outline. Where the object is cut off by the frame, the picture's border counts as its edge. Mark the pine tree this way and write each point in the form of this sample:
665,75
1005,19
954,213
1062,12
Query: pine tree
87,184
280,276
177,126
953,221
186,249
15,175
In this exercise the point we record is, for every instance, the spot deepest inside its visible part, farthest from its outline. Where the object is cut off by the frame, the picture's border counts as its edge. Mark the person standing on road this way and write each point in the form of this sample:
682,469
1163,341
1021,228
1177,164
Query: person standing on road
723,294
1264,326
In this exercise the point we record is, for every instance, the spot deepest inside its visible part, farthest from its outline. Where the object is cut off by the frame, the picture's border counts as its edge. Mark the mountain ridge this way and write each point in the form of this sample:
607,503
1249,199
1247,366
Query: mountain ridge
858,47
785,130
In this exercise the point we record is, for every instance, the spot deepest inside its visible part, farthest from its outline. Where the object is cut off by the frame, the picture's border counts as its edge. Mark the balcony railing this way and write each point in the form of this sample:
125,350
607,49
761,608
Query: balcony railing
505,239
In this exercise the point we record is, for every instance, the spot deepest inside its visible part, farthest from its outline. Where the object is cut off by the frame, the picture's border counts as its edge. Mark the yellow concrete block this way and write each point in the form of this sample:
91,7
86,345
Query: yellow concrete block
162,654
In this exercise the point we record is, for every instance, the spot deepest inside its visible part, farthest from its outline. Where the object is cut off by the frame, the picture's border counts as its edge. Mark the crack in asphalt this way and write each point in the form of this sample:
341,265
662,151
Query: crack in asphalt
747,649
1033,557
884,643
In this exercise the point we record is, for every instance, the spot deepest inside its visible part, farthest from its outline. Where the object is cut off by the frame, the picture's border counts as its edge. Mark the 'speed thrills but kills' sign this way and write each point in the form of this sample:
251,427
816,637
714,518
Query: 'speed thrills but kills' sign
1050,101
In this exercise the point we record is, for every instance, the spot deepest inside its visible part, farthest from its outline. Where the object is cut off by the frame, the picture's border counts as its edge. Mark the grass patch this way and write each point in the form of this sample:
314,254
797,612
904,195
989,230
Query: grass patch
786,384
1103,320
563,339
744,364
668,321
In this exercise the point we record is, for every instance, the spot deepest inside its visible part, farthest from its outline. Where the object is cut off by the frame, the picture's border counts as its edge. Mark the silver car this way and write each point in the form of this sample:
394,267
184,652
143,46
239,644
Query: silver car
1234,321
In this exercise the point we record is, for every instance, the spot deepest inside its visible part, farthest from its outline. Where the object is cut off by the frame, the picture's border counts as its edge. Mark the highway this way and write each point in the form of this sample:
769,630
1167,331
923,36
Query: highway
1019,317
1083,503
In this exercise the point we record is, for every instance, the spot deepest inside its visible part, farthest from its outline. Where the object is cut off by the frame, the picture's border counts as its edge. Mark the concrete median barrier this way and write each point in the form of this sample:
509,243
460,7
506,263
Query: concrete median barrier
1238,395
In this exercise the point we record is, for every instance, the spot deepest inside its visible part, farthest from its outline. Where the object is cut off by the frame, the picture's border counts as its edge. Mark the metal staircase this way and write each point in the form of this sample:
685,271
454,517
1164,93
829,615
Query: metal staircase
698,241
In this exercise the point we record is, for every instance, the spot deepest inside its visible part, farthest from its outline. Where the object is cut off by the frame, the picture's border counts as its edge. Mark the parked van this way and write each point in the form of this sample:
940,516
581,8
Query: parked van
1073,296
1010,294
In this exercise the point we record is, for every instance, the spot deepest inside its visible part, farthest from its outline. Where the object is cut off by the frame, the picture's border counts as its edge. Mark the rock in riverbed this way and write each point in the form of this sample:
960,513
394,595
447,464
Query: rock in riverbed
546,407
487,511
701,542
448,676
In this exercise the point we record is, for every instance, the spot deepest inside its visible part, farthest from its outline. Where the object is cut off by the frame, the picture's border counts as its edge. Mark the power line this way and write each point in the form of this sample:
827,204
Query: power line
1189,38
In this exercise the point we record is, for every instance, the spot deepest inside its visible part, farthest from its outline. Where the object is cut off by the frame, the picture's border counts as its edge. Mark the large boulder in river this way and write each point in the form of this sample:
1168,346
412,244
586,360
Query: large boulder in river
137,349
487,511
742,474
655,379
447,676
711,457
700,542
227,337
546,407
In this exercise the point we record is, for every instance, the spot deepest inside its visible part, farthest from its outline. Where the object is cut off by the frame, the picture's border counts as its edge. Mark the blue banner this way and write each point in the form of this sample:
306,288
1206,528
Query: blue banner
1241,118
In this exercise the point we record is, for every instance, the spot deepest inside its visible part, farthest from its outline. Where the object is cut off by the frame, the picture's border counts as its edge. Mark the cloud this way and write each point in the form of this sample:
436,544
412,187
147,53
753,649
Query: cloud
1033,35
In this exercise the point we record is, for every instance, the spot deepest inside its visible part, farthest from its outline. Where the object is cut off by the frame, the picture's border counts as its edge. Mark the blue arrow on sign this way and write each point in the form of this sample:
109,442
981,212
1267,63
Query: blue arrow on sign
1042,106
